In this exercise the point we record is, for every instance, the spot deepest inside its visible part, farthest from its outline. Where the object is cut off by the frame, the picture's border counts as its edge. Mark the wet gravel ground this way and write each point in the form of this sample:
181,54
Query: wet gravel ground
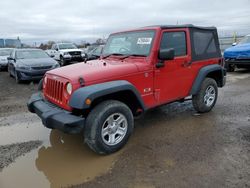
10,152
172,146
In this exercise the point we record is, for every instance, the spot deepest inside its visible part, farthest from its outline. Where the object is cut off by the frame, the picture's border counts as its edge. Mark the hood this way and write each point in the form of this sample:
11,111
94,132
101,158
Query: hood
4,58
238,50
71,50
37,62
94,71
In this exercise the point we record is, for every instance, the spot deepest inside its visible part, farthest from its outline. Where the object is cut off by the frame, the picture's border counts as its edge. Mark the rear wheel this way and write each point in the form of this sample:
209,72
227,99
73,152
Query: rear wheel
206,98
108,127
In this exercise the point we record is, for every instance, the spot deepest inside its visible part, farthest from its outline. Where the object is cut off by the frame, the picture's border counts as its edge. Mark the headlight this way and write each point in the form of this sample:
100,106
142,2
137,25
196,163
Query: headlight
56,65
83,54
23,67
69,88
66,53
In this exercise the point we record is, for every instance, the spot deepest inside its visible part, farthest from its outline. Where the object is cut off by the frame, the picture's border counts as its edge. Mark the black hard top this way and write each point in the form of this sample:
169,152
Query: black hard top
183,26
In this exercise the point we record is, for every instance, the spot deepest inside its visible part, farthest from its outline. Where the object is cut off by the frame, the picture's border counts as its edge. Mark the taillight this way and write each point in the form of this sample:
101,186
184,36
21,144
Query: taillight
221,62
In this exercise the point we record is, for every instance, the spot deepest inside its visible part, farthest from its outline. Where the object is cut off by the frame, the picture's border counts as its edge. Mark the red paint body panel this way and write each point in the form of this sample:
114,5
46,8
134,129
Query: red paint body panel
156,85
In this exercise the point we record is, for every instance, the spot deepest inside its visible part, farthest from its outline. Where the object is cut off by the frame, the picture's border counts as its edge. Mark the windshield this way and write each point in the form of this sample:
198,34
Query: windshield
31,54
5,52
67,46
136,43
245,40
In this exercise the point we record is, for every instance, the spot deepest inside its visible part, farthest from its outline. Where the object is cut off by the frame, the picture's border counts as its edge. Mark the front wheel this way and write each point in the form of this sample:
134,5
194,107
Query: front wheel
108,127
18,81
62,61
206,98
231,68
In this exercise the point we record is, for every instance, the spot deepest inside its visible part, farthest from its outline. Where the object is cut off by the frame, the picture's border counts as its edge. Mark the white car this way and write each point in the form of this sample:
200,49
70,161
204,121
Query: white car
4,54
66,53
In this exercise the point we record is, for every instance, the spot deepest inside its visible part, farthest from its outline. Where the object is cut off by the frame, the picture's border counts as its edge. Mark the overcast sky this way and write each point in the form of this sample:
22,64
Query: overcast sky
82,19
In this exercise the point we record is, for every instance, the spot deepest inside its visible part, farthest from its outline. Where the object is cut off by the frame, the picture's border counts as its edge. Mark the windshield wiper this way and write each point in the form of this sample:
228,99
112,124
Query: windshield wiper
104,57
133,55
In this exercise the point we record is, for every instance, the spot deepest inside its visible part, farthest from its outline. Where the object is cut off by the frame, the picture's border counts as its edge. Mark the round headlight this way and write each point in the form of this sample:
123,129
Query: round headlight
69,88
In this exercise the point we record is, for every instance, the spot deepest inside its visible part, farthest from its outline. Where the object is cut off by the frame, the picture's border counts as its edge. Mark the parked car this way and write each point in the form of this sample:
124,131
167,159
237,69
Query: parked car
29,64
95,53
139,70
238,56
66,53
4,54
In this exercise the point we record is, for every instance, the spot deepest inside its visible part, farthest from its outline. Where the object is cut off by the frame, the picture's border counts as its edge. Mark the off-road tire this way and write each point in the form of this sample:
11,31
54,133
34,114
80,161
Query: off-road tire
198,99
95,121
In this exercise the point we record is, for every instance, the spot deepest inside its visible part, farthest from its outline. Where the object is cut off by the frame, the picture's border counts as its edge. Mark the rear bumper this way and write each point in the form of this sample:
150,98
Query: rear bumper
54,117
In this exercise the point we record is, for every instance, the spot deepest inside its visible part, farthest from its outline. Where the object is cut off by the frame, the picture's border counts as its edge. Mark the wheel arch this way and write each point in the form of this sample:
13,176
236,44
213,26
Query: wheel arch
215,72
122,91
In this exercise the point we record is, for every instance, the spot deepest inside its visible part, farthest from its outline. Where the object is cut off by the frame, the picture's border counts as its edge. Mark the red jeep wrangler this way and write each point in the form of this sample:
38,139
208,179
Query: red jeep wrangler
139,70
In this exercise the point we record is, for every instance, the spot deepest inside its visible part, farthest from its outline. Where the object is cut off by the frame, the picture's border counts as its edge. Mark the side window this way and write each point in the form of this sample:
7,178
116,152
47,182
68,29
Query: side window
176,40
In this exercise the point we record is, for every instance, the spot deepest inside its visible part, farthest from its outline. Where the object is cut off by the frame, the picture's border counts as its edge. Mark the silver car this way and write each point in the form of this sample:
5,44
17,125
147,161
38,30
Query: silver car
4,54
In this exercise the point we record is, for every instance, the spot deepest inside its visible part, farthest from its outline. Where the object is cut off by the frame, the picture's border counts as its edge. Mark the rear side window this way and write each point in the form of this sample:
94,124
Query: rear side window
176,40
204,43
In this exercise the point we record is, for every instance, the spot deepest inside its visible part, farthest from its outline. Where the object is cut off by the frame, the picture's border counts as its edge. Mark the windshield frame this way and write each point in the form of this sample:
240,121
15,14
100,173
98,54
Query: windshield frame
154,31
46,55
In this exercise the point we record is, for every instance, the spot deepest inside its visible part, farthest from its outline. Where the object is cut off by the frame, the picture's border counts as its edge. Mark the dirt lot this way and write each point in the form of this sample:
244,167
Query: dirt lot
172,146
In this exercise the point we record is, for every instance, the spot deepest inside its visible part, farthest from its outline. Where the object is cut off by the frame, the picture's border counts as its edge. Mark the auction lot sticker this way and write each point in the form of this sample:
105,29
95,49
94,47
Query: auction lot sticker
144,40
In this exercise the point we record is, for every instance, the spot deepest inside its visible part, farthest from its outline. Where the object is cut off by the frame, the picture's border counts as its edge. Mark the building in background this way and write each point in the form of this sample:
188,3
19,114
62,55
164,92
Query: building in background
10,43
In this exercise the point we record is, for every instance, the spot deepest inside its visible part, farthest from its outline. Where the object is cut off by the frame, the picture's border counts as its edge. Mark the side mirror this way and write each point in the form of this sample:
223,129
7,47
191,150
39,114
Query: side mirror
166,54
234,44
10,59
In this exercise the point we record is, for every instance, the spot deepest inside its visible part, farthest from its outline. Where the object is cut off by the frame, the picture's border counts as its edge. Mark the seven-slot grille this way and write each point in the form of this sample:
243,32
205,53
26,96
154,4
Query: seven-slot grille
54,90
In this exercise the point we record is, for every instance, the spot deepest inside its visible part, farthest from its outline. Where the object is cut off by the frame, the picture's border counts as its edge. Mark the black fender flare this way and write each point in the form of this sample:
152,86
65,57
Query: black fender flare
92,92
203,74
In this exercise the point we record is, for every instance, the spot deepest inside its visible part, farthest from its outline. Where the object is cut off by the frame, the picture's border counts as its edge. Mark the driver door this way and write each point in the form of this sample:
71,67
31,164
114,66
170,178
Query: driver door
173,79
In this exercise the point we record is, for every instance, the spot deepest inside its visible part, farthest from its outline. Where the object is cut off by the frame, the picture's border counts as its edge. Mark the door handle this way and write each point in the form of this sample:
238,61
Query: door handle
186,63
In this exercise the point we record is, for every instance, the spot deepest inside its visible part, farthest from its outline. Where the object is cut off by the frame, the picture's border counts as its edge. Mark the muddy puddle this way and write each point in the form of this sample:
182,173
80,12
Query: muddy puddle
61,161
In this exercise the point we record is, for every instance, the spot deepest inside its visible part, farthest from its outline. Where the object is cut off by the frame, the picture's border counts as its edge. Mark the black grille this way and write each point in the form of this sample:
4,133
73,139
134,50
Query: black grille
75,53
42,68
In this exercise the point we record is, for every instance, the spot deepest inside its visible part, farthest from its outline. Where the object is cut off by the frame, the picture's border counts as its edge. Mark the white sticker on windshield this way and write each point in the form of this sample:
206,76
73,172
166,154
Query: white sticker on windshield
144,40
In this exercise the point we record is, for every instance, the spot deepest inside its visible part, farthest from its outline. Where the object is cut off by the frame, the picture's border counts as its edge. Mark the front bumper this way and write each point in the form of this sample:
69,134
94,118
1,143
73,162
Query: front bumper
54,117
73,58
3,65
235,61
30,74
